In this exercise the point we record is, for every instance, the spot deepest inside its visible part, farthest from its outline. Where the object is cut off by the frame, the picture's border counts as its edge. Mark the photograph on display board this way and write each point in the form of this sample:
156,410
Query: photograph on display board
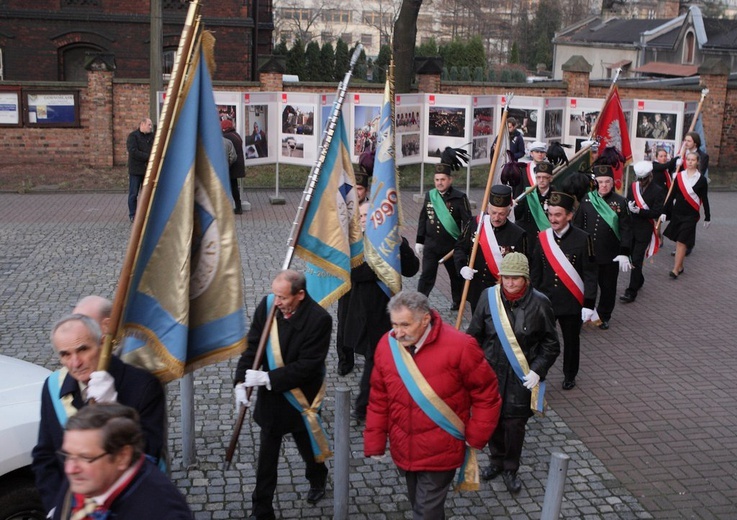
257,124
447,121
326,111
298,119
407,119
554,123
526,121
366,121
228,112
436,145
656,125
410,145
480,148
581,123
292,146
652,147
483,119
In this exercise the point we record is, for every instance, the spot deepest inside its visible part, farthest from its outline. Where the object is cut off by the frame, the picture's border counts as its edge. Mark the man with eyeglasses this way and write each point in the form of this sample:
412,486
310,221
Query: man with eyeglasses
108,475
77,341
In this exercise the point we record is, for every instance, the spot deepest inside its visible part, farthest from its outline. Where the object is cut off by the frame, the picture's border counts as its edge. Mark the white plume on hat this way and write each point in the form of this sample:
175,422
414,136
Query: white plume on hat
643,168
538,146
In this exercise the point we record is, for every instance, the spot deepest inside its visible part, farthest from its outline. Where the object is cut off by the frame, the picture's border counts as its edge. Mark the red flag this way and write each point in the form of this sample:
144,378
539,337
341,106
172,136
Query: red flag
612,131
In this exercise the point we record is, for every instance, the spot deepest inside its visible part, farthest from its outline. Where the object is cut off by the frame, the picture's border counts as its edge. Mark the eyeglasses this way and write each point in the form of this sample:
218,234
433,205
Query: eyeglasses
68,457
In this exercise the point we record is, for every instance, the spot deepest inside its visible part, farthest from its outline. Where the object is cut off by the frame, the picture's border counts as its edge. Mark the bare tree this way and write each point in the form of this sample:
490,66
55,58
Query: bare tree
405,33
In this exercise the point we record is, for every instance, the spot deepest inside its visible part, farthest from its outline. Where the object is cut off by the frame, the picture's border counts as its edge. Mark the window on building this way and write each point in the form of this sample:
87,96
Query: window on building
326,37
287,36
174,5
689,44
347,38
296,14
167,62
367,40
73,59
376,18
336,15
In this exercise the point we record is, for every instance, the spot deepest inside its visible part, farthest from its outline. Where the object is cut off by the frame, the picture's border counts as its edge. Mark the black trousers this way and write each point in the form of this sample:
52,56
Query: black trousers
427,491
266,476
236,192
346,357
364,386
637,277
570,328
430,258
608,275
506,443
134,186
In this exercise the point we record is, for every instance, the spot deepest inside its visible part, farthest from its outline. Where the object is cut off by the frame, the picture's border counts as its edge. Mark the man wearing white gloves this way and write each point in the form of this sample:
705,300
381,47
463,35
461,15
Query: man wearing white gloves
531,337
77,340
605,216
563,268
291,386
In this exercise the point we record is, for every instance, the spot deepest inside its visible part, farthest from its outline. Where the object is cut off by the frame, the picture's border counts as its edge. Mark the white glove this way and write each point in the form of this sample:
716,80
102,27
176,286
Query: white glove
419,248
241,396
634,208
586,314
379,458
679,162
624,263
662,218
531,380
101,387
257,378
587,143
467,273
707,223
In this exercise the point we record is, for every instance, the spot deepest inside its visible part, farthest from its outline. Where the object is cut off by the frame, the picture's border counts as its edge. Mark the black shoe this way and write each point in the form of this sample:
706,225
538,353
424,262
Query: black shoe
604,325
455,306
490,472
131,219
568,384
315,494
672,275
627,298
238,211
344,370
688,251
673,253
513,483
358,416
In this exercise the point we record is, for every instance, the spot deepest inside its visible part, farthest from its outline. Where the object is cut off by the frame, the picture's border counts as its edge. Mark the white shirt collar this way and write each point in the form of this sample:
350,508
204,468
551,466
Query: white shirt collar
565,230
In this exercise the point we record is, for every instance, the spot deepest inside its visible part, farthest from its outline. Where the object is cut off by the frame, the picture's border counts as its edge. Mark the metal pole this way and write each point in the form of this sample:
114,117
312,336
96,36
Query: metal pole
342,452
155,57
554,489
186,394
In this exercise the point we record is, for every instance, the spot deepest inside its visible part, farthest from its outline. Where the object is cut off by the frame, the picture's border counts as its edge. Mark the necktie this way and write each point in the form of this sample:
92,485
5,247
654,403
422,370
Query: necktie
85,511
411,349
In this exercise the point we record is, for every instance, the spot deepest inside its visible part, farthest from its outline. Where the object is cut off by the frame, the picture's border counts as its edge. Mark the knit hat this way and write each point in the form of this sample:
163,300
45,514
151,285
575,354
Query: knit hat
643,169
515,264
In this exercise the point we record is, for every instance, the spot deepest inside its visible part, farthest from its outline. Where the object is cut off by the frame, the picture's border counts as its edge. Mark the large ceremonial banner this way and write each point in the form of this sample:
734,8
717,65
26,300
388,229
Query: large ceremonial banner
184,307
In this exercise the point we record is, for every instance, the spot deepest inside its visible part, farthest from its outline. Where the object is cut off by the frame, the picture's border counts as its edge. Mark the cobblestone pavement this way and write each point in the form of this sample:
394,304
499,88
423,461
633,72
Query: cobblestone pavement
649,429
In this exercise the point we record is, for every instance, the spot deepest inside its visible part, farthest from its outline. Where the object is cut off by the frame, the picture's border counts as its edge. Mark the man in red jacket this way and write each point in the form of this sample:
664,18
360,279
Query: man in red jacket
433,396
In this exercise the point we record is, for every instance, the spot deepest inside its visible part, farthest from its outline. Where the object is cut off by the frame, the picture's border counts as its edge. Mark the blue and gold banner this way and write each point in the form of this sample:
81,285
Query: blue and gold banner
331,239
184,308
382,239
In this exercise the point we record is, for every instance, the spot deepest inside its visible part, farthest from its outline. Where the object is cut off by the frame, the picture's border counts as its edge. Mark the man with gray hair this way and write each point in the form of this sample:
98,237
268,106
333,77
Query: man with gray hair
77,342
107,472
97,308
435,398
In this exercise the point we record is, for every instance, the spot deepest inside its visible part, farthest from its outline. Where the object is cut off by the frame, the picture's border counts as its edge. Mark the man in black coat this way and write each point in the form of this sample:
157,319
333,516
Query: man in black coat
237,169
506,237
77,341
296,365
563,268
438,229
138,144
532,320
645,200
610,229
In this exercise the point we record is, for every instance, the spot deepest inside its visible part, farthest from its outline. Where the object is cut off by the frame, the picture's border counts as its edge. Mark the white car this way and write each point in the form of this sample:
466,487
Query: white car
20,409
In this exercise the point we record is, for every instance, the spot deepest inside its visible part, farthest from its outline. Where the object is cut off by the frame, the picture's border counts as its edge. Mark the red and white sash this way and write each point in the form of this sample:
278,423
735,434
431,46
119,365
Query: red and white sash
668,179
531,173
654,244
489,246
561,265
688,193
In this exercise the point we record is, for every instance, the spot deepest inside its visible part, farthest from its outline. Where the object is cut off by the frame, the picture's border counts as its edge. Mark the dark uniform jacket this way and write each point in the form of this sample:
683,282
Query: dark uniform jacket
533,323
577,247
429,229
136,388
237,170
606,243
654,196
304,339
367,319
139,148
150,494
523,215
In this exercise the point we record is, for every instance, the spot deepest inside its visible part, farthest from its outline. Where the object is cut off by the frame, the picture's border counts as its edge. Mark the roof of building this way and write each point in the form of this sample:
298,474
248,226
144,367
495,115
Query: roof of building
658,68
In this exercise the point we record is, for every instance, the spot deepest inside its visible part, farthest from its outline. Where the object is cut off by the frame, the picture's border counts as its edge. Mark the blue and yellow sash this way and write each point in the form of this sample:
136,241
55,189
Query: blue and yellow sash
511,347
62,404
443,213
295,397
438,411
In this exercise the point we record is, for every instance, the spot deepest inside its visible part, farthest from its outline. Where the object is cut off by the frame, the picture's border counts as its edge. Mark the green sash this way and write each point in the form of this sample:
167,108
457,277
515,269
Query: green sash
446,219
607,213
538,213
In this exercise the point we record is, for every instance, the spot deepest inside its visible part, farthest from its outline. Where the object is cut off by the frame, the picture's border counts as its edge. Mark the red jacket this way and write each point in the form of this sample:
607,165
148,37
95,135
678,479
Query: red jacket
453,364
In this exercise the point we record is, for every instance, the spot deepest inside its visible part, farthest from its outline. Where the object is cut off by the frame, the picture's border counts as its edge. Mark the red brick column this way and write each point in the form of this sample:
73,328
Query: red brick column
576,76
97,117
271,81
714,75
428,83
